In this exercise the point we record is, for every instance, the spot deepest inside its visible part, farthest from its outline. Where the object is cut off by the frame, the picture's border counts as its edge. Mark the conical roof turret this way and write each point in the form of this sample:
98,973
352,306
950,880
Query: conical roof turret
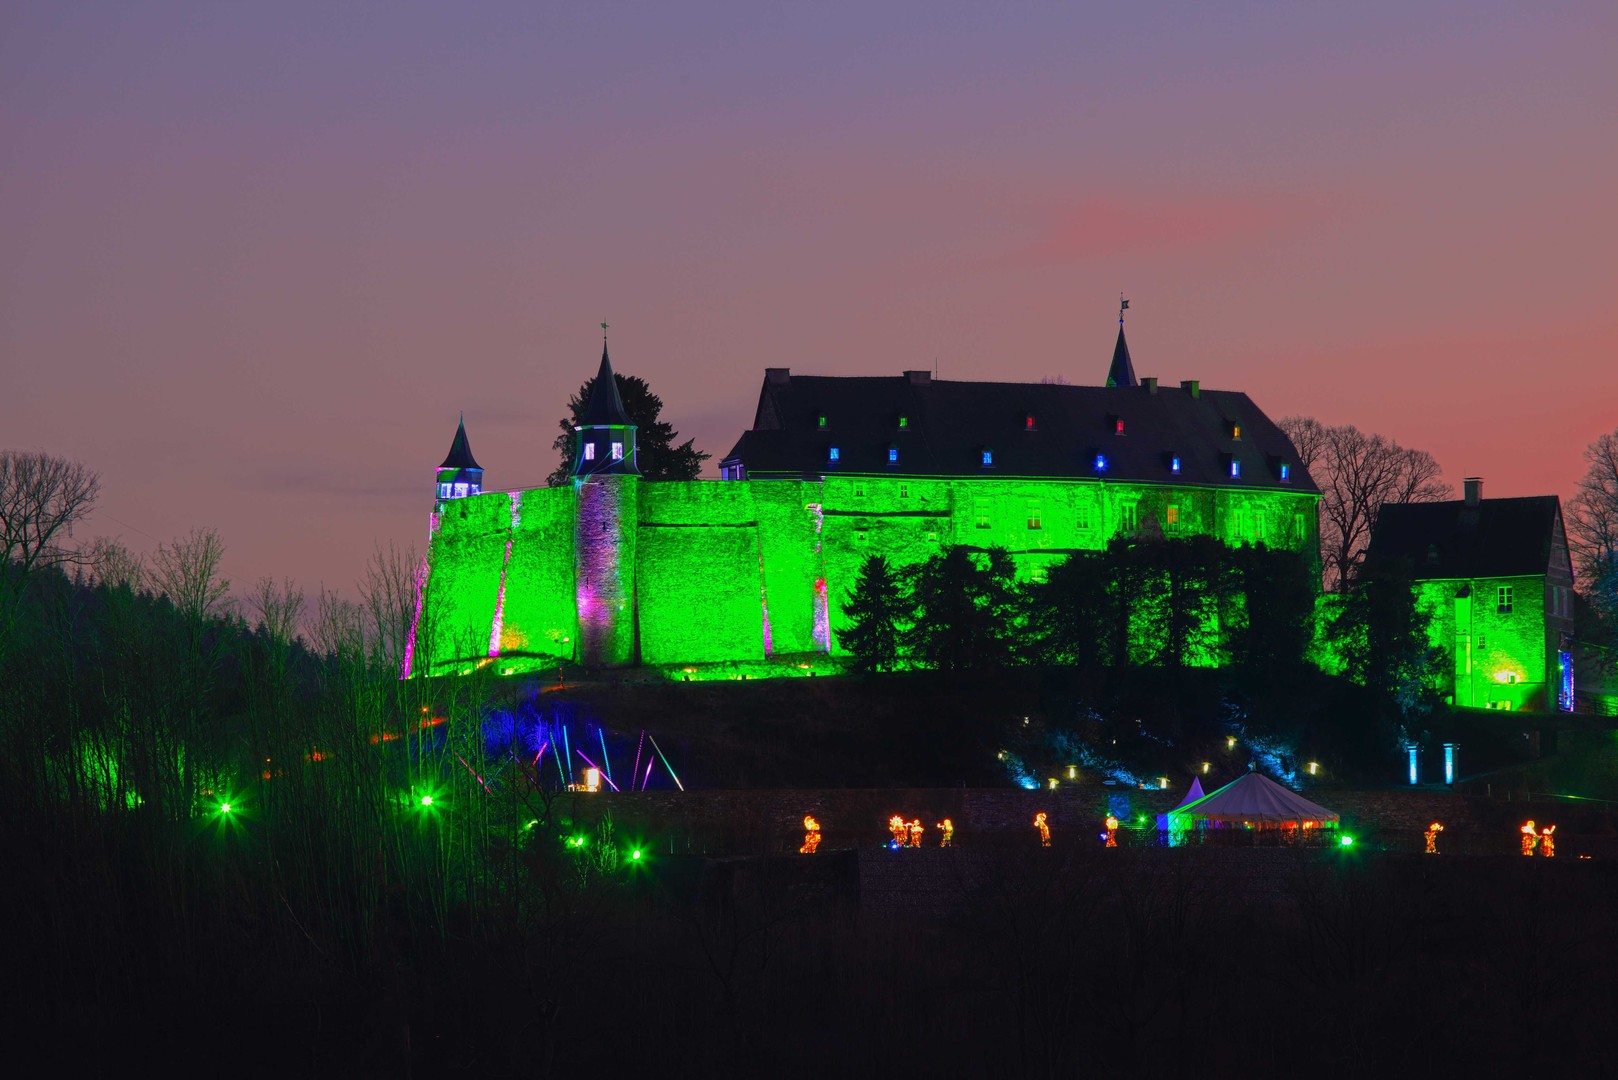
460,451
1122,372
605,406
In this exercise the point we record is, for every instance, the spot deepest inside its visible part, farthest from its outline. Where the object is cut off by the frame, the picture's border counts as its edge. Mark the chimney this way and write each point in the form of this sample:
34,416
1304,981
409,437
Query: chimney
777,376
1474,490
919,378
1192,387
1150,384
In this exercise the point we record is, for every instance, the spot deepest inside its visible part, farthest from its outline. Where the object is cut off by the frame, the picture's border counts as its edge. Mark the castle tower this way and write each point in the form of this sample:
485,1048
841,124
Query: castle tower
607,483
460,475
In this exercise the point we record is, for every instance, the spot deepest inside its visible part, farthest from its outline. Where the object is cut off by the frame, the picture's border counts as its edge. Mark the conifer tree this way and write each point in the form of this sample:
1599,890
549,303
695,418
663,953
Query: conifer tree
879,609
656,454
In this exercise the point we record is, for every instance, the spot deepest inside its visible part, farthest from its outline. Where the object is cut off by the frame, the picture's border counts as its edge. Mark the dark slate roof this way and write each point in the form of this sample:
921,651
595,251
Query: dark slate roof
1122,372
605,406
950,424
1496,538
460,452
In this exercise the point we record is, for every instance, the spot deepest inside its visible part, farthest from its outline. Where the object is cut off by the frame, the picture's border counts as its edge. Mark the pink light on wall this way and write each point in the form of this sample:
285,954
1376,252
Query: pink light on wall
415,621
500,598
764,600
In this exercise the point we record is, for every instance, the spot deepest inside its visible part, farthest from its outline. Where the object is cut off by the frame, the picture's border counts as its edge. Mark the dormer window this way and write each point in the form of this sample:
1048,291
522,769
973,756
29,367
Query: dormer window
1028,422
1174,464
904,422
1117,425
1101,463
617,451
589,451
1235,469
988,457
1234,428
820,421
893,454
1286,472
834,453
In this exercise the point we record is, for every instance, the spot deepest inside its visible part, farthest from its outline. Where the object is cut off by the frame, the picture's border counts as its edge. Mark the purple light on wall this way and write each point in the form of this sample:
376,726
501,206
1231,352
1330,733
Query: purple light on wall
764,600
500,597
415,621
822,616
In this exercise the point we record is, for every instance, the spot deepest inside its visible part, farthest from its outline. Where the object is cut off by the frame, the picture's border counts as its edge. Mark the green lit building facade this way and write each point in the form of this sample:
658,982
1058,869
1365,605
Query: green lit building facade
753,568
1494,578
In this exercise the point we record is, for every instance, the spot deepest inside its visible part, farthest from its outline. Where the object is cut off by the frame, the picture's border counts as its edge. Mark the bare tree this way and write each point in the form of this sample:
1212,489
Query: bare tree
1592,526
1357,475
116,567
187,572
41,499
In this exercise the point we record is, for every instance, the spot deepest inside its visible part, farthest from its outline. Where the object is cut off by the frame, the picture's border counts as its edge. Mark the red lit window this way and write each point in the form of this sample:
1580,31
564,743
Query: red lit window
1118,425
1028,422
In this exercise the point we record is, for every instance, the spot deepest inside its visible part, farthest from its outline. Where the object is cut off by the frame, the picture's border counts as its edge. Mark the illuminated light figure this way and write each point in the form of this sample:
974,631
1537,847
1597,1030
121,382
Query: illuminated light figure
1431,836
946,829
1111,835
916,829
900,831
811,836
1044,829
1547,842
1530,838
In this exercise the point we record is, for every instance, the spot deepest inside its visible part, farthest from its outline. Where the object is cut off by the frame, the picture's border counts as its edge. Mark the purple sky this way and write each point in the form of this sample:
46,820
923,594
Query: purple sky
254,259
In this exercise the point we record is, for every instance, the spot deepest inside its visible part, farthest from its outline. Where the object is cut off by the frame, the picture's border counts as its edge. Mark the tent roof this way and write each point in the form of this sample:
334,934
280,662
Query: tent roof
1255,797
1193,795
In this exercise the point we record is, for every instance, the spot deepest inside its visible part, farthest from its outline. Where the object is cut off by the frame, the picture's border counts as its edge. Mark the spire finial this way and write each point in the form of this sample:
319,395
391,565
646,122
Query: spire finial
1123,306
603,333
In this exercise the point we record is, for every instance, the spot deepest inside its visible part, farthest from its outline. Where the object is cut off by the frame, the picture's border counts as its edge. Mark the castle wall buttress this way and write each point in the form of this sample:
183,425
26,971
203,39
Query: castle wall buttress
606,528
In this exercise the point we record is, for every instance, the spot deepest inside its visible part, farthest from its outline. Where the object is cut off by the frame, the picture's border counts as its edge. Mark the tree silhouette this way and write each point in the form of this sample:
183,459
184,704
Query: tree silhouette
965,610
1592,528
880,610
656,454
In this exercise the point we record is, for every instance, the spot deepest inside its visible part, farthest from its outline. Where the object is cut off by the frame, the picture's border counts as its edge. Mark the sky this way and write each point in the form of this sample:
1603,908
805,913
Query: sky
256,259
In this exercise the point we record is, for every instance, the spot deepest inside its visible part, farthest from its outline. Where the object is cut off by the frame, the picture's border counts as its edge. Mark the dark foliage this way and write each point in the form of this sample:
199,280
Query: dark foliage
1381,636
656,453
879,612
966,610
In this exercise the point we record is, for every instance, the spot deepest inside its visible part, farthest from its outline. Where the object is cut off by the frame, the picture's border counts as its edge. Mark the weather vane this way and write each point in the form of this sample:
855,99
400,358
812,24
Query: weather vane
1123,306
603,331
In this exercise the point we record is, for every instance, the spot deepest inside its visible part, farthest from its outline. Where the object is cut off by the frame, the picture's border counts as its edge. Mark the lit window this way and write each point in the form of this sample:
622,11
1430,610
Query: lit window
1033,516
859,537
904,421
1235,430
1101,463
821,420
1503,600
475,489
589,451
1028,422
617,451
988,457
1235,469
443,491
1128,517
1084,521
460,491
1118,425
904,491
859,489
1174,464
893,454
980,508
1173,517
834,455
1286,471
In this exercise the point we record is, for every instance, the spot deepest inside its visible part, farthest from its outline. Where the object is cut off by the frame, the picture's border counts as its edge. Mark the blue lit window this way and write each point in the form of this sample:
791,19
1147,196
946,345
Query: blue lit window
1235,468
1286,471
988,457
835,454
893,454
1101,463
1174,464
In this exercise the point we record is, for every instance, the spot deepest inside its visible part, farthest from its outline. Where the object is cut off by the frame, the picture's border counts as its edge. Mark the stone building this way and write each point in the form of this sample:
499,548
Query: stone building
1494,577
614,570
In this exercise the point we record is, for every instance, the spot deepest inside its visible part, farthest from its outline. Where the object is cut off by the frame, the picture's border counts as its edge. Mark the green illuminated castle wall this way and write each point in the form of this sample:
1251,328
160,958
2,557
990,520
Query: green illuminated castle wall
734,571
1502,659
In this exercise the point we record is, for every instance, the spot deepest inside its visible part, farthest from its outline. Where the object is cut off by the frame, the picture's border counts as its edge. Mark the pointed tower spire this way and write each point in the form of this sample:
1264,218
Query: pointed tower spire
605,406
460,475
1122,372
604,438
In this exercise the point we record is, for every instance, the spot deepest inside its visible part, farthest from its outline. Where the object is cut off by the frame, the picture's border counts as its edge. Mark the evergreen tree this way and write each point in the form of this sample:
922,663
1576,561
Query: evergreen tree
879,609
655,451
965,610
1381,636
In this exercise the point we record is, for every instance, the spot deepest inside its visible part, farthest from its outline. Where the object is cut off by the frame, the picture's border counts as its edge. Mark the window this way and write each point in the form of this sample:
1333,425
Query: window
1235,469
988,457
460,491
1242,532
474,489
1118,425
1101,463
1503,600
1174,464
904,491
980,511
1235,430
589,451
834,454
1286,472
1034,521
1084,521
617,451
1173,516
893,454
1028,422
904,421
1041,575
1127,517
859,536
820,421
859,489
443,491
932,536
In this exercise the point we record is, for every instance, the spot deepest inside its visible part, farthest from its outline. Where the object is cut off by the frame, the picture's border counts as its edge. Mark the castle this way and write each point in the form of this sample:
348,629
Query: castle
613,570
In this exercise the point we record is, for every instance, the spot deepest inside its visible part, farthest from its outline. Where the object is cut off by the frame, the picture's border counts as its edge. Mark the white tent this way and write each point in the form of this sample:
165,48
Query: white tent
1191,796
1253,800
